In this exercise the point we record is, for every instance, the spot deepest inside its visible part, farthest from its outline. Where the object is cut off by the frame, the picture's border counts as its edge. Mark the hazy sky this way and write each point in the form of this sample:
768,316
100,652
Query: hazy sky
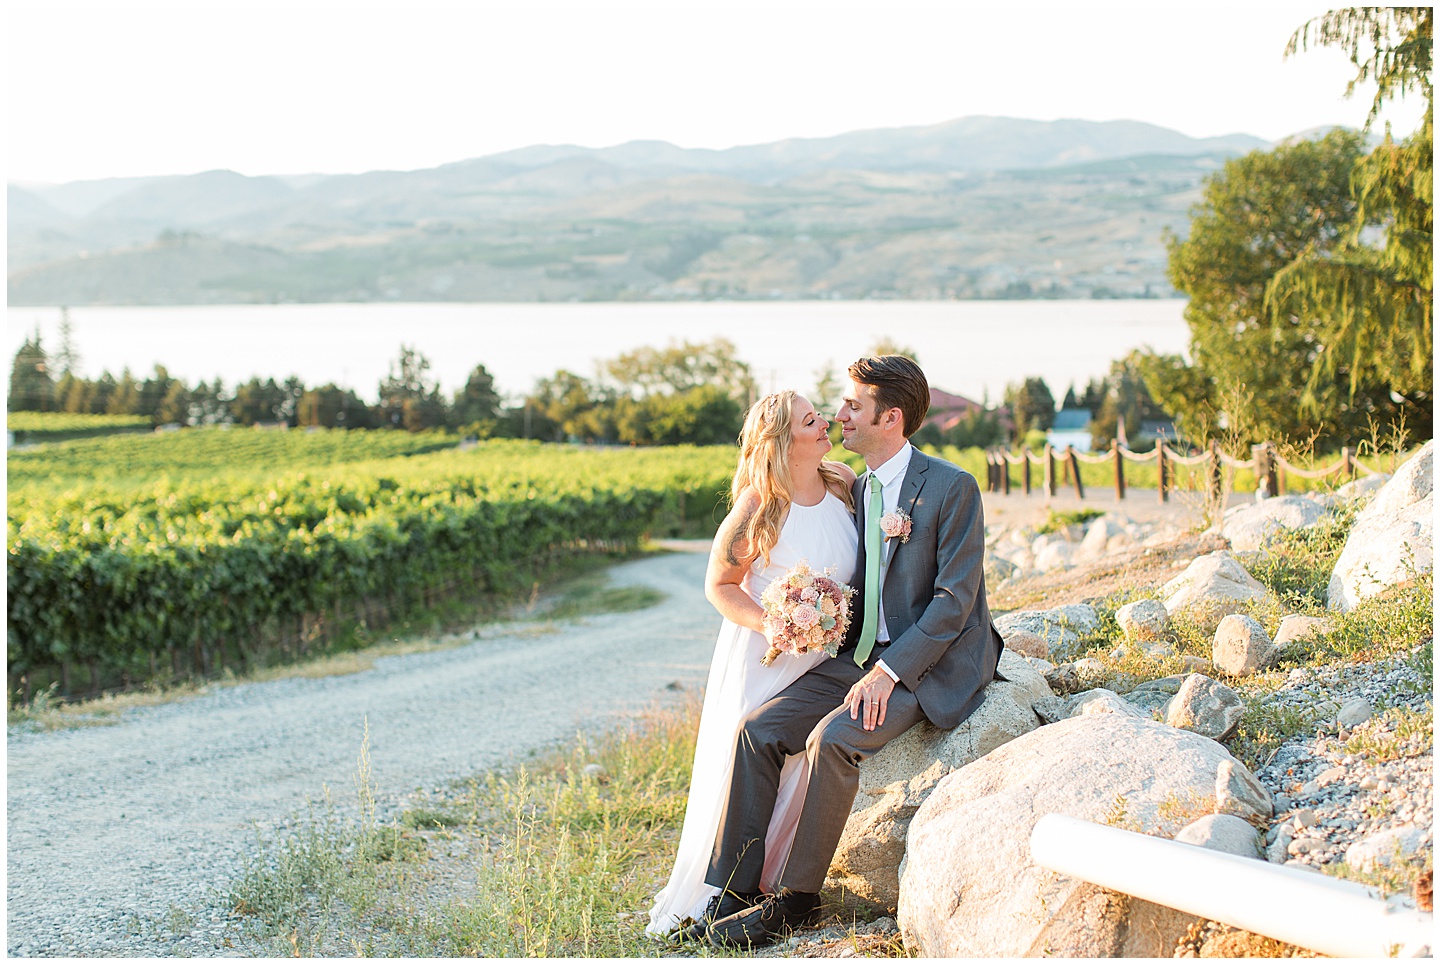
118,89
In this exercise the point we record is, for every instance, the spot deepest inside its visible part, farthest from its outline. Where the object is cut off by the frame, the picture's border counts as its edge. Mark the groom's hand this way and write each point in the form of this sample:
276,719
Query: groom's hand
869,697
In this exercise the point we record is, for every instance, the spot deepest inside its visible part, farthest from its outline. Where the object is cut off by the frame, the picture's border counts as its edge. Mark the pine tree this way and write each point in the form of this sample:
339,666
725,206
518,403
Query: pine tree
31,387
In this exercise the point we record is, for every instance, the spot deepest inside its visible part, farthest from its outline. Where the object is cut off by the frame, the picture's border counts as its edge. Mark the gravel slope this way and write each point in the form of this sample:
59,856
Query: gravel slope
118,836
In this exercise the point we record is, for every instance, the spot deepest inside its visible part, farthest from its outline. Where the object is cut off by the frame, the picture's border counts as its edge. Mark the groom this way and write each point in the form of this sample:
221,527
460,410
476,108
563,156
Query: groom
925,649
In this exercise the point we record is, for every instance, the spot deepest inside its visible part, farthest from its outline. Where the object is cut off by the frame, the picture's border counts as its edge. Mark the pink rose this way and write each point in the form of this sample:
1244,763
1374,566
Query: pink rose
895,524
805,616
809,594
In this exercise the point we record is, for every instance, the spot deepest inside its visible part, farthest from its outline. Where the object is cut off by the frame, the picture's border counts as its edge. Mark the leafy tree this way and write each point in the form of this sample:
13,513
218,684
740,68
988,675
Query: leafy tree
1031,405
257,401
559,407
408,396
1258,214
332,407
31,387
827,392
209,404
704,416
1373,305
679,368
888,346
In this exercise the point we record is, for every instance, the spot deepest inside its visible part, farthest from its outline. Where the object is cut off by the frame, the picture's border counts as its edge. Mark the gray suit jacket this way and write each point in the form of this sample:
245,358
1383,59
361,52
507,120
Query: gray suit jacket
943,645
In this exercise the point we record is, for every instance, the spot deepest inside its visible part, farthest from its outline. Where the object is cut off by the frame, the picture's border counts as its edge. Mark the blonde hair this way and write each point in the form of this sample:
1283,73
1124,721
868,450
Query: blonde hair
764,467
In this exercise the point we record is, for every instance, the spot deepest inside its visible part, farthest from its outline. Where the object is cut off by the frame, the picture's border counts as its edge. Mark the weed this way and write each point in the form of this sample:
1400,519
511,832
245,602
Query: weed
1393,623
1264,727
428,818
1422,660
314,879
1399,876
1296,564
1057,521
1398,732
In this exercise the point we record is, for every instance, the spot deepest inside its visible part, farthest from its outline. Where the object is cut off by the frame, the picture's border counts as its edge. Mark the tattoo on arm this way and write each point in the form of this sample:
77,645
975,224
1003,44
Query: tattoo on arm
737,537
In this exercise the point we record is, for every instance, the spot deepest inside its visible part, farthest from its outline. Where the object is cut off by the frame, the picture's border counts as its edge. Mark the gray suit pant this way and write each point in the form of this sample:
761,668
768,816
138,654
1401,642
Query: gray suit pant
808,716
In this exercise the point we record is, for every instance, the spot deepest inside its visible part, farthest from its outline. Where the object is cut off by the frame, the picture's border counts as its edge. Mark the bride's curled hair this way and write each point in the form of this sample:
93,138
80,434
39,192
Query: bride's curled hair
765,468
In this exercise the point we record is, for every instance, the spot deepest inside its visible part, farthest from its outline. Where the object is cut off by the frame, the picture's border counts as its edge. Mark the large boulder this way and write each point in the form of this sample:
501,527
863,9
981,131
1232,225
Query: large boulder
1249,528
1222,832
1213,586
1061,627
1206,706
1295,628
896,781
968,887
1392,539
1241,646
1098,535
1054,556
1143,619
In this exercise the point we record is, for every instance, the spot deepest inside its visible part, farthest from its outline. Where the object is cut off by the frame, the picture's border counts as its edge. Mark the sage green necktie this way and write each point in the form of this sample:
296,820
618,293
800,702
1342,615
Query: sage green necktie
871,625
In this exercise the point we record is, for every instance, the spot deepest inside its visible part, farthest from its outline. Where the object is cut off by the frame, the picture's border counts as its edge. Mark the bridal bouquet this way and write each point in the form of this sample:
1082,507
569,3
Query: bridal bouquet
805,611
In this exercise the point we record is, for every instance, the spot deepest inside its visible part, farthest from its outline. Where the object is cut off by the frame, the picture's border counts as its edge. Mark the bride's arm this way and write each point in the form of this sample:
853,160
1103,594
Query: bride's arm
730,558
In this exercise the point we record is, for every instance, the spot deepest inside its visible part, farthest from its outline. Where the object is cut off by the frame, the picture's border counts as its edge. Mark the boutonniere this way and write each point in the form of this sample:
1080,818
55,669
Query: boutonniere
896,524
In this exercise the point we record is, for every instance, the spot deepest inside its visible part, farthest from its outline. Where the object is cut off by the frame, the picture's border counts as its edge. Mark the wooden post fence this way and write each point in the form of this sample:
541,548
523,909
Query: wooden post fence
1216,479
1266,462
1119,469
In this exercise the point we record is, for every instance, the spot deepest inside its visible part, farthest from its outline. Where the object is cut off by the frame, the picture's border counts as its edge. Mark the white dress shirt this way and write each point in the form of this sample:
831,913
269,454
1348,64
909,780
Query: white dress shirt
892,479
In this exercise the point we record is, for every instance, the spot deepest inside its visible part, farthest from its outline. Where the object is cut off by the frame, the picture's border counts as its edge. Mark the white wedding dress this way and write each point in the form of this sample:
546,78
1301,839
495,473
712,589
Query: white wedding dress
824,536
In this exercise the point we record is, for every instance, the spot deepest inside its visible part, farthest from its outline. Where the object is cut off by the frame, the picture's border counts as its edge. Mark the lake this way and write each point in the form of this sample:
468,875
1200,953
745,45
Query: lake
972,348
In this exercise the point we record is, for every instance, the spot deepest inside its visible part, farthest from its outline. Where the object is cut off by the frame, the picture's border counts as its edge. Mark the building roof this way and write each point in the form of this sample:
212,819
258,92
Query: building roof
947,409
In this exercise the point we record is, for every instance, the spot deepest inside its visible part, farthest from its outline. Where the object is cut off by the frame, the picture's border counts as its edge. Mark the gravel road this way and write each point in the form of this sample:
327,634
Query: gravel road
118,836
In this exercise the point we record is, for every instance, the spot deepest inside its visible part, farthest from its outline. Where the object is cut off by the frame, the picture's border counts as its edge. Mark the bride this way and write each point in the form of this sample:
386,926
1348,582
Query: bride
788,503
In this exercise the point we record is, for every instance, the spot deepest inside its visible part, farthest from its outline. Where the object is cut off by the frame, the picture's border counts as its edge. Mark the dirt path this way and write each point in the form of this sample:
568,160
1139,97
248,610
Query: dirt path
117,836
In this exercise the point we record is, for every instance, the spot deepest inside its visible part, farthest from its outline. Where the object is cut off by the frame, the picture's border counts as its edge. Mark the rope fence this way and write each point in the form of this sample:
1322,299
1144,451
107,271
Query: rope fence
1061,467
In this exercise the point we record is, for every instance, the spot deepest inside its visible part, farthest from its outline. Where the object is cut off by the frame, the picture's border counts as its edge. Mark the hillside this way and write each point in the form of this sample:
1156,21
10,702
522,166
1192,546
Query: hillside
974,208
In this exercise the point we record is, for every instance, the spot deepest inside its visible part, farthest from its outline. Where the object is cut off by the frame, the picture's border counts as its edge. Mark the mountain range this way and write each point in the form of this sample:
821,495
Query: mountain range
974,207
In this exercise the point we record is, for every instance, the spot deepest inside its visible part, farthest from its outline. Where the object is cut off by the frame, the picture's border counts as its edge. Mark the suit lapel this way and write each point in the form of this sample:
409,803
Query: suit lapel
909,492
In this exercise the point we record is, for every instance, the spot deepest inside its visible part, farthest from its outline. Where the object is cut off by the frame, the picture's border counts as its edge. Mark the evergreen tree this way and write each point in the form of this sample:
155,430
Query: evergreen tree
175,406
154,391
1031,405
477,405
31,387
125,399
67,360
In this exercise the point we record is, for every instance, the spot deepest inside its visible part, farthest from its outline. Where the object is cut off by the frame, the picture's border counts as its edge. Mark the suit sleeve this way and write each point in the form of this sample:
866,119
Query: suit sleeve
960,561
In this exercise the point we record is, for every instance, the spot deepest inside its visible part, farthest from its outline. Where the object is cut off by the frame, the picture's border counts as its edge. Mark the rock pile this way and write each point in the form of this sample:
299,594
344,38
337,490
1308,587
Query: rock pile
954,810
1014,554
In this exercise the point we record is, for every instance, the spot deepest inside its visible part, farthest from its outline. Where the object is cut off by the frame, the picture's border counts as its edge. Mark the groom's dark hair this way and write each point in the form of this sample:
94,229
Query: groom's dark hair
899,384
